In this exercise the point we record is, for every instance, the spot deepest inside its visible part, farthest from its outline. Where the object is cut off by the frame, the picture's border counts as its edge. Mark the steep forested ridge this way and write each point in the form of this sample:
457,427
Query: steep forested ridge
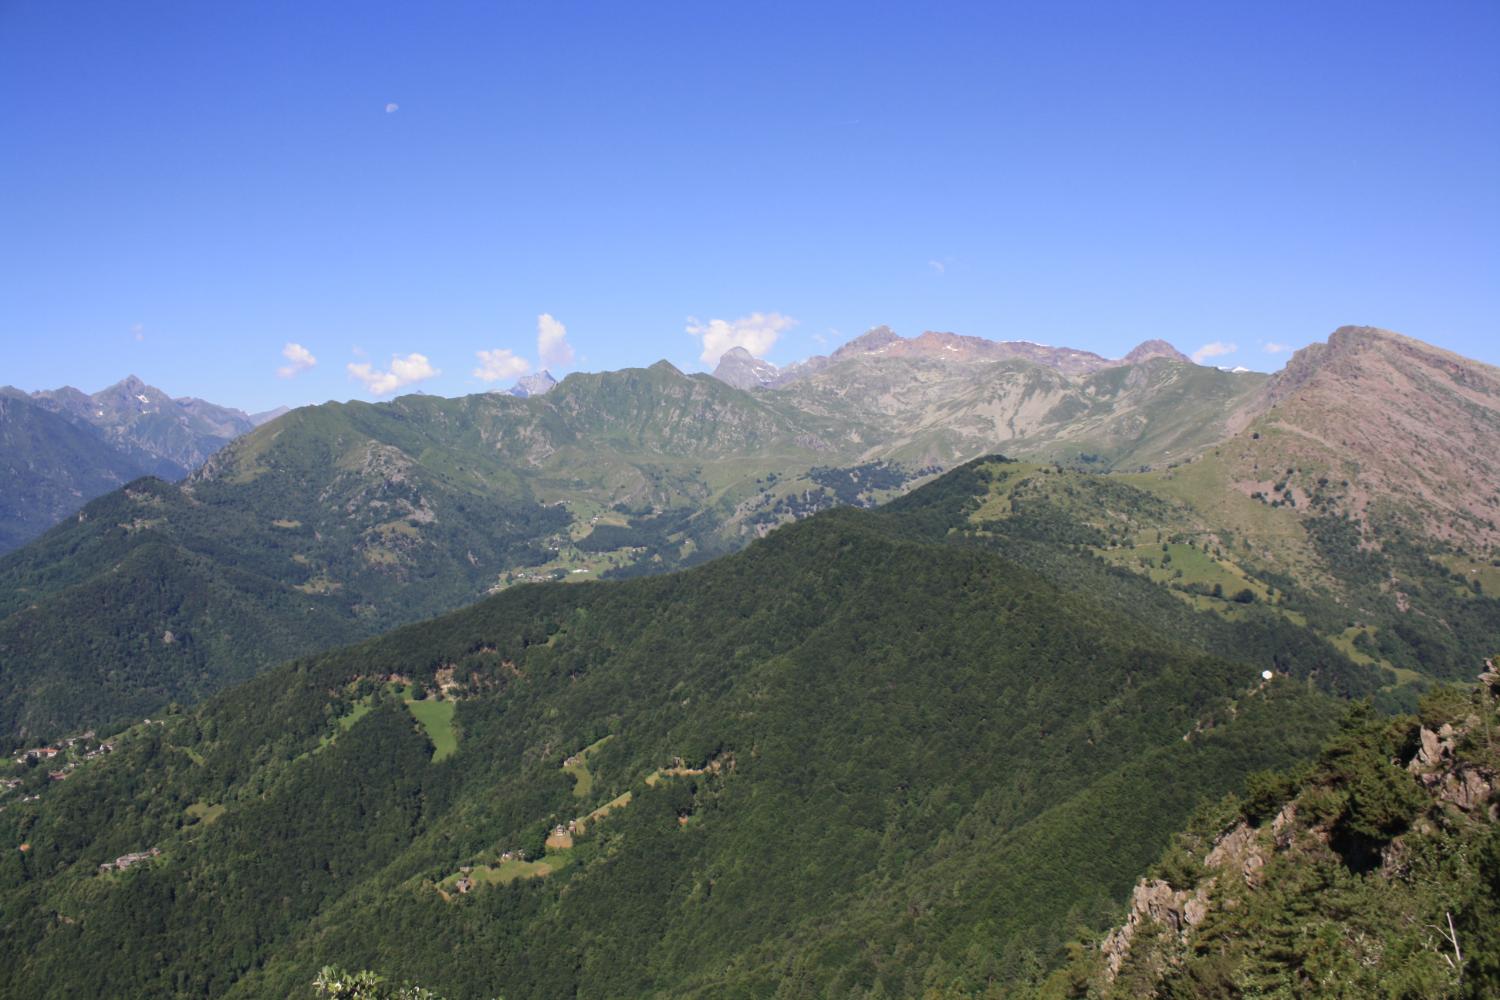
869,755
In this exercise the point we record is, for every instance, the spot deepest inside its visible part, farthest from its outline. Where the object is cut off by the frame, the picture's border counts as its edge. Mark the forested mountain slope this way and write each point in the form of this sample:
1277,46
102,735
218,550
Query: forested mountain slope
869,755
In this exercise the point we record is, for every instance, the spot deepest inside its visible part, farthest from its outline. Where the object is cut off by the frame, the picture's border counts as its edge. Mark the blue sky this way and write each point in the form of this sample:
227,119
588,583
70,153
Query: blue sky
186,189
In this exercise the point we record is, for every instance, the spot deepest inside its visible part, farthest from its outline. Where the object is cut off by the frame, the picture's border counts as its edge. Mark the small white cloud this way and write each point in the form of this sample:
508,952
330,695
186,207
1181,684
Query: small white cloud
500,365
403,372
298,359
938,266
1217,349
392,108
552,342
1271,347
138,331
756,333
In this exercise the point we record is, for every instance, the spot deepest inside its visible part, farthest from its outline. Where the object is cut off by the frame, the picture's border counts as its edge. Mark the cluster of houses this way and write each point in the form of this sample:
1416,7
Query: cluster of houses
124,861
39,754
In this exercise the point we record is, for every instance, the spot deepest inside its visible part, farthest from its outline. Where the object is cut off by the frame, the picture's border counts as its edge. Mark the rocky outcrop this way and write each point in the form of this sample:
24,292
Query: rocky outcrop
1155,908
1461,784
1453,761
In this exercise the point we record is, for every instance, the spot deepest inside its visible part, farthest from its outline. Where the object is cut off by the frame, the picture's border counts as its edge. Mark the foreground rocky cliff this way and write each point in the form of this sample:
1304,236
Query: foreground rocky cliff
1374,872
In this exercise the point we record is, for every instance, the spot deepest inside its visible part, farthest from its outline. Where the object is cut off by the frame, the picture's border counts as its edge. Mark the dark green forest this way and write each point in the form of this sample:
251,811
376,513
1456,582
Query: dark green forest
877,753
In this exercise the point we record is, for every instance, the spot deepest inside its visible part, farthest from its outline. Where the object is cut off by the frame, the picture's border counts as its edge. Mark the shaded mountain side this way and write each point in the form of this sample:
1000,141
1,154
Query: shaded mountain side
863,756
132,414
51,467
1374,871
61,448
165,624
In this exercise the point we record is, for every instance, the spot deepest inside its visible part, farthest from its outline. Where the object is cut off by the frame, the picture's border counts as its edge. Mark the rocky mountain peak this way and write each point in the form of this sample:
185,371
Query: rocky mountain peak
869,342
743,370
1148,349
538,384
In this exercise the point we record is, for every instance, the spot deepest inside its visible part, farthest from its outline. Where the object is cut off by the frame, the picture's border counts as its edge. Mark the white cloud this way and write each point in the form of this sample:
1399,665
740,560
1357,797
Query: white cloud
138,331
403,372
937,266
1217,349
756,333
392,108
298,358
1271,347
500,365
552,342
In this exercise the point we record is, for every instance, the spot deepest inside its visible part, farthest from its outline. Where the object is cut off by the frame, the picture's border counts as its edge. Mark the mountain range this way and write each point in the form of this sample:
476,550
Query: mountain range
794,691
344,520
739,368
62,447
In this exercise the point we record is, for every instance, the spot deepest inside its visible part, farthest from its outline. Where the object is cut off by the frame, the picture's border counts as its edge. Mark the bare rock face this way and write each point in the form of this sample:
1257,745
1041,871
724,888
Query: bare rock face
1461,784
1156,904
1431,753
533,385
1467,788
1239,853
743,370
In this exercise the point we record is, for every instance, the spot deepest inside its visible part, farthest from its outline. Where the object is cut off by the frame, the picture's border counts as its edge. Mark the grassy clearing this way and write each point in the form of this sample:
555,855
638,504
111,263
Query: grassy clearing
618,802
996,506
578,767
1204,486
1471,569
437,718
1344,643
507,872
1185,565
361,709
204,813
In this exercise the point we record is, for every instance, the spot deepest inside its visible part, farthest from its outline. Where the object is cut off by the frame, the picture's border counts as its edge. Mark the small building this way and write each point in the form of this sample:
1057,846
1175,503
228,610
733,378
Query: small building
125,861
